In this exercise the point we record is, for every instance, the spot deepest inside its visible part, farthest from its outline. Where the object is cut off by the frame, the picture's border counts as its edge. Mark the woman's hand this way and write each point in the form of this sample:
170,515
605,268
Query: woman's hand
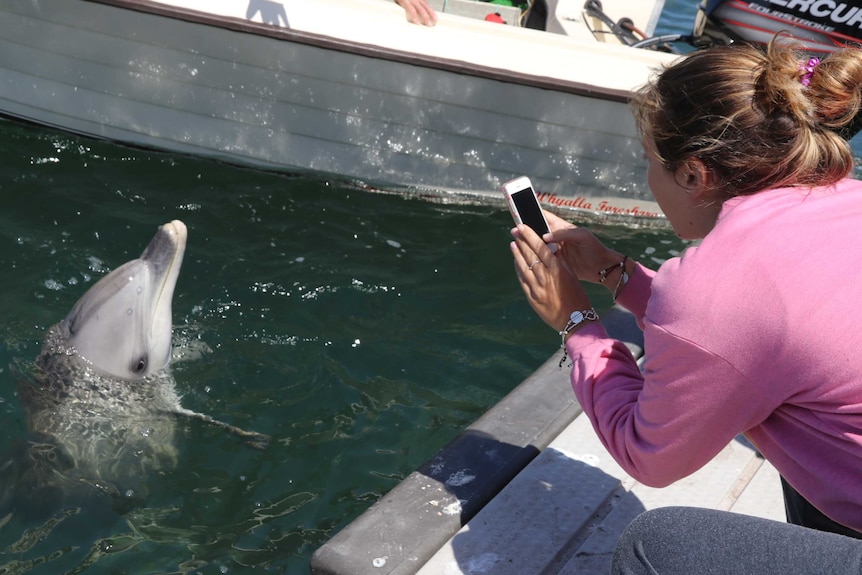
583,253
551,288
418,11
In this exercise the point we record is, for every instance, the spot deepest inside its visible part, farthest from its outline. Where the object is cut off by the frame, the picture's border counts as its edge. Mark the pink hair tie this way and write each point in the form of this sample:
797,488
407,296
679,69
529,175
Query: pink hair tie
808,68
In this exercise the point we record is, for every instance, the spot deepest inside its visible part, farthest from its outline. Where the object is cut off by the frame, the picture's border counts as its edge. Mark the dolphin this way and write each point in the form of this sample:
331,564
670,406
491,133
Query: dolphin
100,403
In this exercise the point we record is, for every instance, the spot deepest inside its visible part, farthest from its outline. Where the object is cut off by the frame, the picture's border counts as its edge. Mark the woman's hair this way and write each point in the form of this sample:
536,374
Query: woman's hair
749,117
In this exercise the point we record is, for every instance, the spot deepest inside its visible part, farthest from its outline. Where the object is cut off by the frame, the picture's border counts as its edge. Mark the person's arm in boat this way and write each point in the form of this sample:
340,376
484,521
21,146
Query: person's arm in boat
418,12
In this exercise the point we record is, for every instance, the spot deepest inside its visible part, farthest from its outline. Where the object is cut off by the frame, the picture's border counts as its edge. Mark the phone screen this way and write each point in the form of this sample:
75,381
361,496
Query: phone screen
530,211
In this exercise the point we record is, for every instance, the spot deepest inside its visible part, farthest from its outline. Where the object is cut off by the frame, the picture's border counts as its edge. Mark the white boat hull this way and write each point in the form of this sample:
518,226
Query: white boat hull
221,86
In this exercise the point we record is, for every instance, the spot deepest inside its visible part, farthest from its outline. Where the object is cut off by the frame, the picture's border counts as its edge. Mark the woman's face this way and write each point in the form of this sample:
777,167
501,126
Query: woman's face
691,217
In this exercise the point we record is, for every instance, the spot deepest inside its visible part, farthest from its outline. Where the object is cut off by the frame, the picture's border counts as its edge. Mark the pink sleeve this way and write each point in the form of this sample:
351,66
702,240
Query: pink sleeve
664,423
635,295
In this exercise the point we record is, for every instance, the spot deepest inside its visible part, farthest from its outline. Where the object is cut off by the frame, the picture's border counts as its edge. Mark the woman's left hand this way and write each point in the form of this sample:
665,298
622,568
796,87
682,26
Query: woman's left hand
552,290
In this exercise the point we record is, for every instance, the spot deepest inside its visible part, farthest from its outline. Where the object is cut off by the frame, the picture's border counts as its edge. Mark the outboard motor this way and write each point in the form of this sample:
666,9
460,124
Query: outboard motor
820,26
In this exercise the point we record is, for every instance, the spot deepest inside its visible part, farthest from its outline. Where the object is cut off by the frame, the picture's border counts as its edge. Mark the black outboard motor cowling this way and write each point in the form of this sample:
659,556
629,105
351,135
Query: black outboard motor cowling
820,26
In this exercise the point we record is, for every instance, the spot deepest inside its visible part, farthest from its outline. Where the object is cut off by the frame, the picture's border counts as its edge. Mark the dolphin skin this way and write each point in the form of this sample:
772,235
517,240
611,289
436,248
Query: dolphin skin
101,405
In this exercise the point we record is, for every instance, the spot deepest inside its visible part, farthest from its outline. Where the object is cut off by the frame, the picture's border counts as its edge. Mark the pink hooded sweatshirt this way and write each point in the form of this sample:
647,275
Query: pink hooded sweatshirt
757,330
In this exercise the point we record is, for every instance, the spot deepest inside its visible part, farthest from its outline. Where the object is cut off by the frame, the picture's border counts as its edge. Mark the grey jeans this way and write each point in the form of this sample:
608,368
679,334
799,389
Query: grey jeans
688,540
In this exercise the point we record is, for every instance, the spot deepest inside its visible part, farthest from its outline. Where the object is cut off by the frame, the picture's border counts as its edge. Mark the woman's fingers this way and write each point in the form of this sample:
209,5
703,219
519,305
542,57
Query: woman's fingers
531,246
525,260
556,223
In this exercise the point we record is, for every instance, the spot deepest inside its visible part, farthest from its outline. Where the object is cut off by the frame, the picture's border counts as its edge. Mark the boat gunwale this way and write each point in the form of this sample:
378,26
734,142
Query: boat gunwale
368,50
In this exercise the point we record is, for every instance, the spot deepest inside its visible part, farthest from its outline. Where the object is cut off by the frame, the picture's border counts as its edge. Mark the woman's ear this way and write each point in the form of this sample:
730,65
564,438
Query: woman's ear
695,178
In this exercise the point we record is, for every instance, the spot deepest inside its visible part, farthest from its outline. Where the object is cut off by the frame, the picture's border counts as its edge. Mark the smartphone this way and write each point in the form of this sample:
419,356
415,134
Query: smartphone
525,206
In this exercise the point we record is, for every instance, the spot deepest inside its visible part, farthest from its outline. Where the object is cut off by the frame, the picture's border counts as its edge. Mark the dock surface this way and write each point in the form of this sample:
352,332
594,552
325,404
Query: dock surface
565,511
529,489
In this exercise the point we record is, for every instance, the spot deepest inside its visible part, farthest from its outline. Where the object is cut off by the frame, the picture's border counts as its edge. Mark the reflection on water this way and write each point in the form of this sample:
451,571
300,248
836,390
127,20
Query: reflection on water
360,331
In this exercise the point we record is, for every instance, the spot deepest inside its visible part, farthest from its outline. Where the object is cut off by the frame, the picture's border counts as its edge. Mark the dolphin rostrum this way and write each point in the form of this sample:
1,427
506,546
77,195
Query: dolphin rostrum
101,405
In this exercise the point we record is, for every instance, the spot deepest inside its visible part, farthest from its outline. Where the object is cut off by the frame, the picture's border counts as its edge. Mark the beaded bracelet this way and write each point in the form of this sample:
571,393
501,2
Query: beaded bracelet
576,319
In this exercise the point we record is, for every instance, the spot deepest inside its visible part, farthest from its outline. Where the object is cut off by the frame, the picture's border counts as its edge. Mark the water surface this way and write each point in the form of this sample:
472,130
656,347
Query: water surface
362,331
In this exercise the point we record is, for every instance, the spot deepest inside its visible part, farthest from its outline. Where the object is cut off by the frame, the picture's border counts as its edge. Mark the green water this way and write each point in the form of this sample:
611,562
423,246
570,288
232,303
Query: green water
361,331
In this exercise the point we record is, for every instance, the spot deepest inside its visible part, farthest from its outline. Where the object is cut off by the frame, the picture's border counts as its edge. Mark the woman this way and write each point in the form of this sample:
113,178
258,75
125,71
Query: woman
757,329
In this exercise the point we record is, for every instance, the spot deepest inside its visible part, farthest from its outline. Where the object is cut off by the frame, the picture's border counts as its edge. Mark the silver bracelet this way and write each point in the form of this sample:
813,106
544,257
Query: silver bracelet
576,319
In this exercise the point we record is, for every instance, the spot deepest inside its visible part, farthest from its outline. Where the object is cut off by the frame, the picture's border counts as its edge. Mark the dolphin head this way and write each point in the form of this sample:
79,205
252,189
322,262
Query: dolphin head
122,325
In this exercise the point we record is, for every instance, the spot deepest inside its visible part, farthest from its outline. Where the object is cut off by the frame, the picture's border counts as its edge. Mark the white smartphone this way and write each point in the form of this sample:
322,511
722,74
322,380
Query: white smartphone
525,206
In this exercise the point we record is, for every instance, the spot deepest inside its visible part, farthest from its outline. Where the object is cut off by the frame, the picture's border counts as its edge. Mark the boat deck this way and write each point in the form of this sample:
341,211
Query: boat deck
529,489
565,511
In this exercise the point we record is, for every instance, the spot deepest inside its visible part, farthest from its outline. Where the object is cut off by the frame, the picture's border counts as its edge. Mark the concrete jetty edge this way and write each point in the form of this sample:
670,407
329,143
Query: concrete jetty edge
407,526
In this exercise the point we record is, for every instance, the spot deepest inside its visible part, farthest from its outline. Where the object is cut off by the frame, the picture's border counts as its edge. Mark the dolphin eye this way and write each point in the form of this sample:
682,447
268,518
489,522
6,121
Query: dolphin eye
140,366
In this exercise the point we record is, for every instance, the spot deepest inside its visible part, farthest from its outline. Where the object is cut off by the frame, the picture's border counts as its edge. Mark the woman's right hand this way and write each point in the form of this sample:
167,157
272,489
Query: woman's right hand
582,251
